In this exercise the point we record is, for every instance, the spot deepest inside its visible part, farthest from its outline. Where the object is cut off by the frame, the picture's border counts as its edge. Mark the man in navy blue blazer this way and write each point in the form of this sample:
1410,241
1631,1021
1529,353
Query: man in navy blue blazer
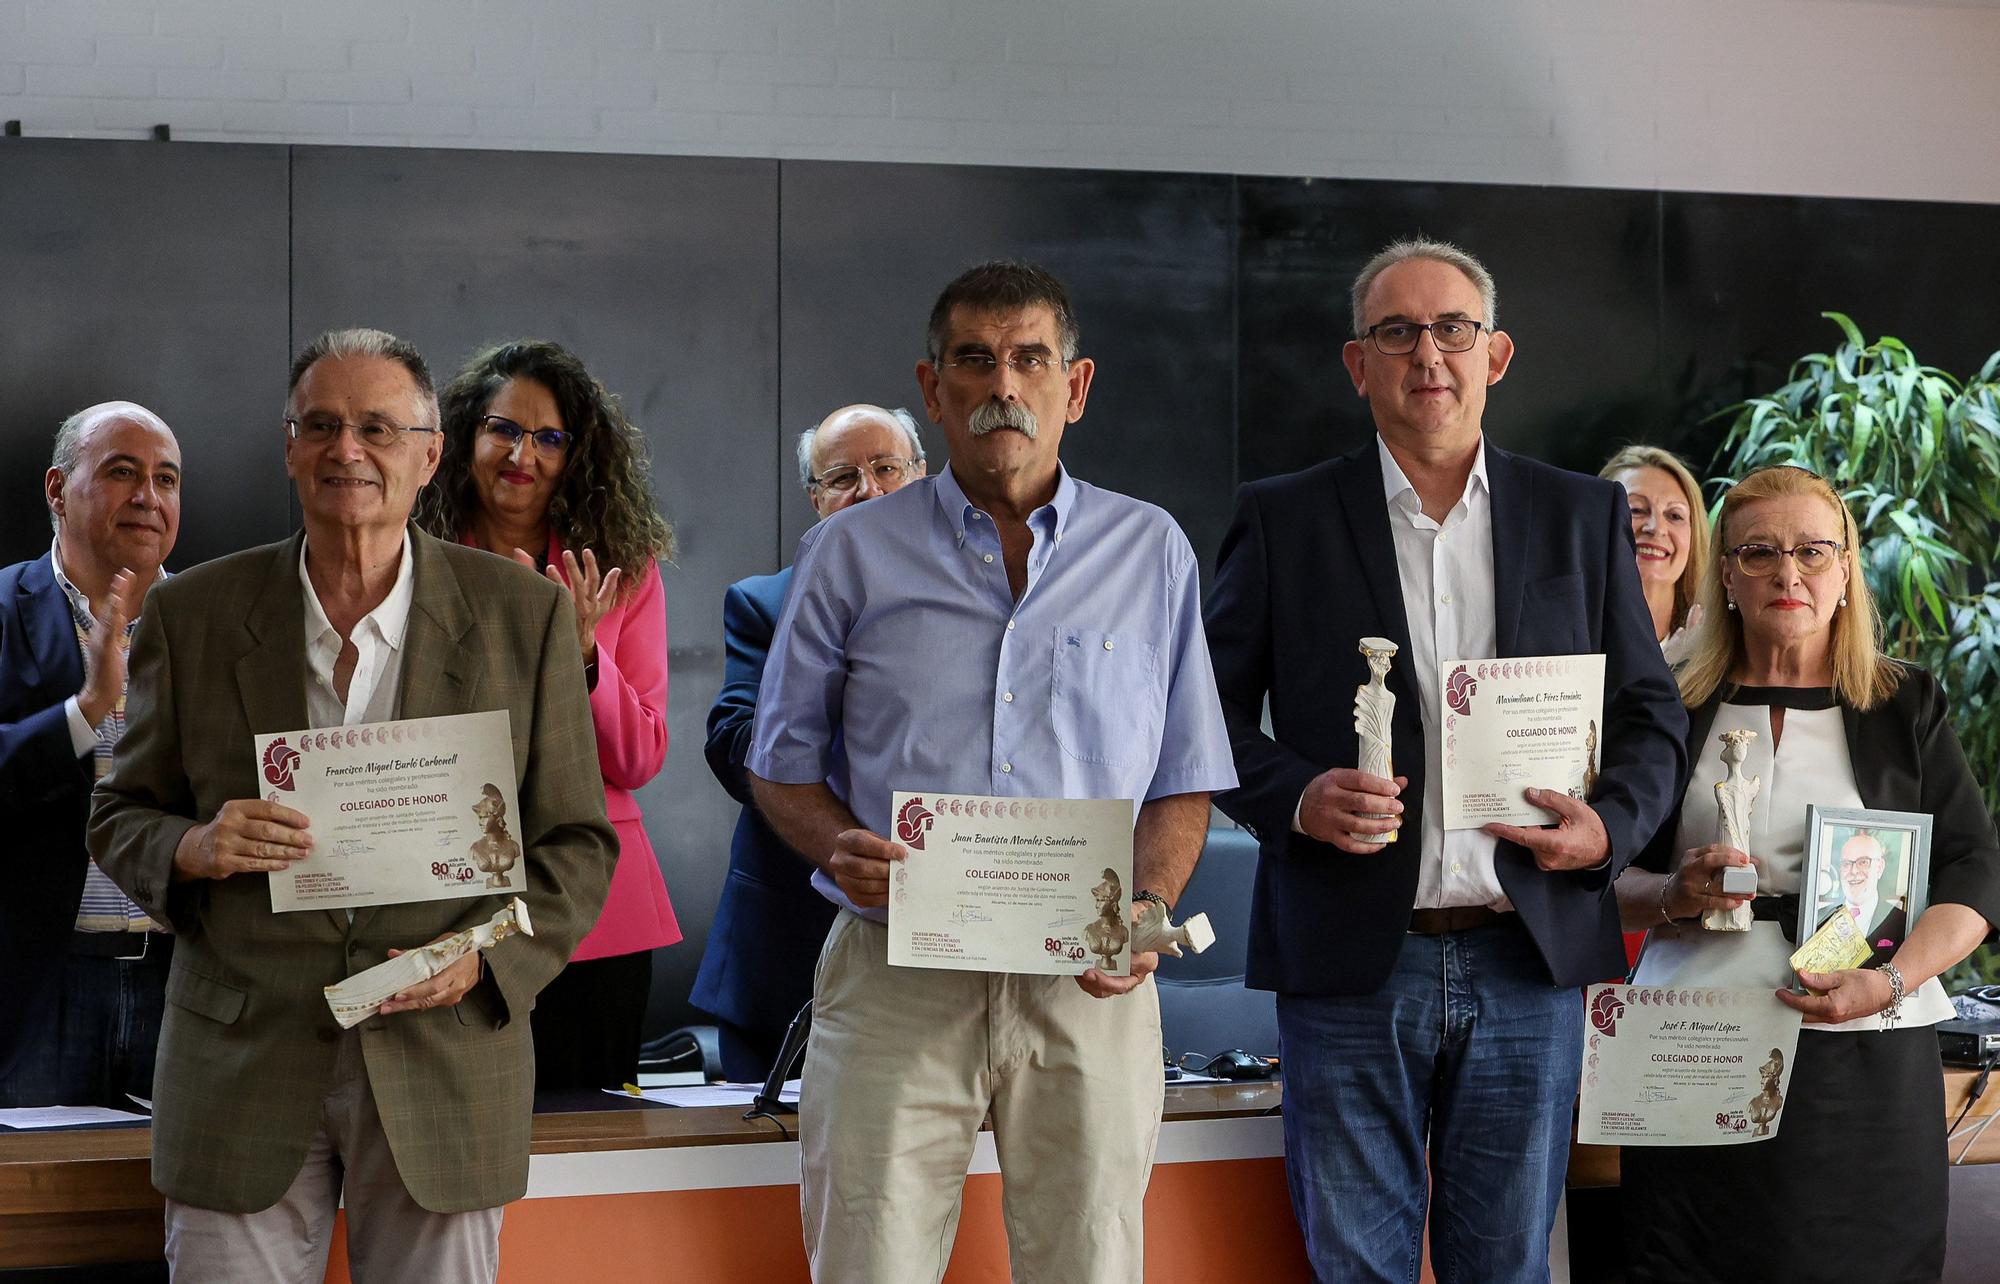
85,970
1428,1005
757,969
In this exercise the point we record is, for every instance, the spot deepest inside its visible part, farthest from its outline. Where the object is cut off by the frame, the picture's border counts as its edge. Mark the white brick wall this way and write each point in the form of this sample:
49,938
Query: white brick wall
1886,98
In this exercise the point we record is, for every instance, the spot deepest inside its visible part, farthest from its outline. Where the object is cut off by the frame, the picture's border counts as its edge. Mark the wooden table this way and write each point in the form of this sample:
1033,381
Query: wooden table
84,1196
663,1184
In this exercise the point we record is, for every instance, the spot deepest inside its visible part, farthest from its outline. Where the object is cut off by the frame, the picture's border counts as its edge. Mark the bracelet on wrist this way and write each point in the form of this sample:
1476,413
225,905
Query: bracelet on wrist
1895,975
1666,885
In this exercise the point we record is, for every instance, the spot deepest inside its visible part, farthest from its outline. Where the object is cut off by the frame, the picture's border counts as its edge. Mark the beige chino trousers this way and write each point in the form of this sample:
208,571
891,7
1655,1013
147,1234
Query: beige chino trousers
904,1065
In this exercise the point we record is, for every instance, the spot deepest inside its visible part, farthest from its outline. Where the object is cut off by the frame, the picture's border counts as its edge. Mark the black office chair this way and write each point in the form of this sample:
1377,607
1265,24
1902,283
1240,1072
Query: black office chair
1204,1007
692,1047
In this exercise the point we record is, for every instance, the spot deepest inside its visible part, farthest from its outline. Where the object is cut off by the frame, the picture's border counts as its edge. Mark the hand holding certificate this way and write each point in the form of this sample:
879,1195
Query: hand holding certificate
1031,885
1515,724
417,810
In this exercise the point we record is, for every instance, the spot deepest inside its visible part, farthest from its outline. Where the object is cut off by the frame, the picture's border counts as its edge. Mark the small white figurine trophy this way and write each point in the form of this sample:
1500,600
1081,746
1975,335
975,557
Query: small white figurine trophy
1154,933
1374,710
1734,794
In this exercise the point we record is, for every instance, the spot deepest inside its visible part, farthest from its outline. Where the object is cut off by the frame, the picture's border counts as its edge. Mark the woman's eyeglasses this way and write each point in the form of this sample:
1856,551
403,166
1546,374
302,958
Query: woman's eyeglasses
549,441
1812,557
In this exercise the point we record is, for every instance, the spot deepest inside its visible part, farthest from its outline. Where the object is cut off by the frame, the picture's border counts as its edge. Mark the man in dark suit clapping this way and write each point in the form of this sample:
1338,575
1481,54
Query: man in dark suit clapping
86,968
1428,1004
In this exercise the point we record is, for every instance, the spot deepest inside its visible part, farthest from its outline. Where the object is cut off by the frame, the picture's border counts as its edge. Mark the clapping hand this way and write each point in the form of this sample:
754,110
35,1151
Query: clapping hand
104,651
593,595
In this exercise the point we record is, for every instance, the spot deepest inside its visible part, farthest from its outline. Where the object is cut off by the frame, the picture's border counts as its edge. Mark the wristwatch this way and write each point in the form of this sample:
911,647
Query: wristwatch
1149,895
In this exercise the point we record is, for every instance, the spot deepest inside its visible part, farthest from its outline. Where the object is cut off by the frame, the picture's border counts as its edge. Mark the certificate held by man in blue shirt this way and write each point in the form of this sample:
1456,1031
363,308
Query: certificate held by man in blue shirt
1028,885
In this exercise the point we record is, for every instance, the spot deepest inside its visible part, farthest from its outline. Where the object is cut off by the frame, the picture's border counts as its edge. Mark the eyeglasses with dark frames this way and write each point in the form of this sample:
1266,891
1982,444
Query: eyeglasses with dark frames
1812,557
1399,338
549,441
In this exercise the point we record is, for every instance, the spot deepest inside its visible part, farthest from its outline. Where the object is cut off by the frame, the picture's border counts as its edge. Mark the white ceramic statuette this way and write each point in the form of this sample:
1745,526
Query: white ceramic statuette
1374,710
1154,933
1734,795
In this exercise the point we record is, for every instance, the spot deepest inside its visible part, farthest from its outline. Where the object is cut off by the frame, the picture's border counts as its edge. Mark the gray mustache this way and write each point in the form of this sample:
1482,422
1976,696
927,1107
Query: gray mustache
1003,414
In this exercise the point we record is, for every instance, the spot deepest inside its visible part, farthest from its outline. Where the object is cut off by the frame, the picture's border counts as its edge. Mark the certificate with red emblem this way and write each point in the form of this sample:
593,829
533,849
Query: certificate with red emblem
1035,885
1506,726
420,809
1670,1065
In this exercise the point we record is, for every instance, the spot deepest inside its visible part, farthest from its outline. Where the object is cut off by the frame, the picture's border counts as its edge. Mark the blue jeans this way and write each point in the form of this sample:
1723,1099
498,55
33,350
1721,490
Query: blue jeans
1466,1057
99,1039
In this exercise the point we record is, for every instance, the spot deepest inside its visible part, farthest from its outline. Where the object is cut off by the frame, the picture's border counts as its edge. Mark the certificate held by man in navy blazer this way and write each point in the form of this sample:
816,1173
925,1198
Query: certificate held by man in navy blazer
1428,1002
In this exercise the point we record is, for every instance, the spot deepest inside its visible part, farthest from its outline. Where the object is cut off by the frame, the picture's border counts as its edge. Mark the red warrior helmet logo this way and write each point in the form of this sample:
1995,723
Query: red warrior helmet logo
1459,690
280,761
911,822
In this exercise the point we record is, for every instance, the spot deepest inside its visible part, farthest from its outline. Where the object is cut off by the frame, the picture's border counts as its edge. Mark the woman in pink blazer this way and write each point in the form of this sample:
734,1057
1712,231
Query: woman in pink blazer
541,464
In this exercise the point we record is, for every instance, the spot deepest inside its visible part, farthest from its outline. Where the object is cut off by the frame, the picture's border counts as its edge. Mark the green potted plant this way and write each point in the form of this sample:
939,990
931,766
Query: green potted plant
1916,453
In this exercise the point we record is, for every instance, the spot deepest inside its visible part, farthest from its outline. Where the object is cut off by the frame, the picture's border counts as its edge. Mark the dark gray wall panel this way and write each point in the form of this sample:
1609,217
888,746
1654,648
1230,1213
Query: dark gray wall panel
1576,274
1745,279
1148,262
154,273
661,274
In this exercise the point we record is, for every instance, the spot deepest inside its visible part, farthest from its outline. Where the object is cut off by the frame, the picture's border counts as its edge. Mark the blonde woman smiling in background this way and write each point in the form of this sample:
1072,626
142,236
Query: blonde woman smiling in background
1670,528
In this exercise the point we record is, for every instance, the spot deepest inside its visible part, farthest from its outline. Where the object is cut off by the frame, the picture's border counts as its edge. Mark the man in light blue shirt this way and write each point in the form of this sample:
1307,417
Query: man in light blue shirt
1002,629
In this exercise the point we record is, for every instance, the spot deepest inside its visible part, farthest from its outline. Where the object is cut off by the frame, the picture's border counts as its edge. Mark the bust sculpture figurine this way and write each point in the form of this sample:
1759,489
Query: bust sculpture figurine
1105,936
1734,794
1764,1107
495,852
1374,711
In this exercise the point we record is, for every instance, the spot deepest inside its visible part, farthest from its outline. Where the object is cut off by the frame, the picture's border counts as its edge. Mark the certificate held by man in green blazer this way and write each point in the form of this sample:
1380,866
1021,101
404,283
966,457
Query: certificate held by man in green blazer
266,1112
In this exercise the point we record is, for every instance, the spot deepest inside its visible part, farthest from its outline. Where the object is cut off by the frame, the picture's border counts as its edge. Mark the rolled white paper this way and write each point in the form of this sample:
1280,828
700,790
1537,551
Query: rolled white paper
362,995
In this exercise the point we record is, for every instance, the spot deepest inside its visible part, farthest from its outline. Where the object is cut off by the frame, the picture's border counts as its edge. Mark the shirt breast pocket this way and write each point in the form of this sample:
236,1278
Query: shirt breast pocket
1104,697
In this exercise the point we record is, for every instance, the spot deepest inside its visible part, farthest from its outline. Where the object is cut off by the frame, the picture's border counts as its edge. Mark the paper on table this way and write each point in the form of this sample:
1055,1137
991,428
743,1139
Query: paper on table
28,1117
713,1094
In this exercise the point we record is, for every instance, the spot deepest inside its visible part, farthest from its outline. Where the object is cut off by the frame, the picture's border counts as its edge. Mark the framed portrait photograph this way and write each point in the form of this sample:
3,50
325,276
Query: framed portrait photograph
1873,865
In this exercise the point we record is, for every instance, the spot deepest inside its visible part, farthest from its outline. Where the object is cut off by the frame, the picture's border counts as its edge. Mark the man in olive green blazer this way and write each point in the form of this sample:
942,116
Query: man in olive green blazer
257,1089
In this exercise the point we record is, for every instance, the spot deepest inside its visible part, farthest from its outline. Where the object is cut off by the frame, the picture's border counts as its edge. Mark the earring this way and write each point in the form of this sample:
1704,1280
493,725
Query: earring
1843,599
1732,603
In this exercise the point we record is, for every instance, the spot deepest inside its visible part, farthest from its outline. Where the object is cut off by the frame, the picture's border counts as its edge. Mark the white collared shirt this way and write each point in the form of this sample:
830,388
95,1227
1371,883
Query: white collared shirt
1446,571
375,691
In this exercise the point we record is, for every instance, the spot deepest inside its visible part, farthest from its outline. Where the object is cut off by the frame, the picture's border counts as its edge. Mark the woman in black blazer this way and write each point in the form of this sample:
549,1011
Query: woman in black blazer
1854,1184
